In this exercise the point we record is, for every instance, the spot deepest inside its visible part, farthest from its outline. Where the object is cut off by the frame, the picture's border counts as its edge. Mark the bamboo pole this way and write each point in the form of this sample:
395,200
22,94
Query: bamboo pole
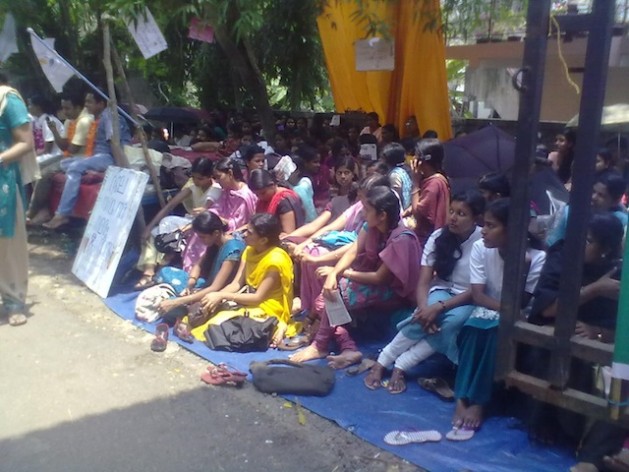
143,141
116,149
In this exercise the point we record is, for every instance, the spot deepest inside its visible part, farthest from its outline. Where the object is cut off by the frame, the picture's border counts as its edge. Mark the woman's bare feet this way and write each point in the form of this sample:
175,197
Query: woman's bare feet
308,354
459,413
56,222
473,417
344,359
397,383
373,380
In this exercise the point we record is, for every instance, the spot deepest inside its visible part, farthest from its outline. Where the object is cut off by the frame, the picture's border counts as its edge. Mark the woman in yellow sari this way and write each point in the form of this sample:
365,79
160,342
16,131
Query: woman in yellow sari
266,271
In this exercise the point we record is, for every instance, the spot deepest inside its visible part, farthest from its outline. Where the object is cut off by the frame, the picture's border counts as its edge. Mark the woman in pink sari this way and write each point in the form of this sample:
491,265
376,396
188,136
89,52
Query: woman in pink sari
379,271
236,206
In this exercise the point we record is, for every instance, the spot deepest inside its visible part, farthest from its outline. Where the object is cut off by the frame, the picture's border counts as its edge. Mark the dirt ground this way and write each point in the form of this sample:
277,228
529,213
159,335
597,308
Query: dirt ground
83,392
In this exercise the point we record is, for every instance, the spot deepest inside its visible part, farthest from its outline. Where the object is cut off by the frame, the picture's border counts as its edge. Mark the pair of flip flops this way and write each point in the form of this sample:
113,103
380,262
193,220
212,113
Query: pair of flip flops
437,386
221,374
402,438
293,343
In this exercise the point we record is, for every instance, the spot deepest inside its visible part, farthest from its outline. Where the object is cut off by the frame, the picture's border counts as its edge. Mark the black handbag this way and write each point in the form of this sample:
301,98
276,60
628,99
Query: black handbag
283,376
241,334
171,243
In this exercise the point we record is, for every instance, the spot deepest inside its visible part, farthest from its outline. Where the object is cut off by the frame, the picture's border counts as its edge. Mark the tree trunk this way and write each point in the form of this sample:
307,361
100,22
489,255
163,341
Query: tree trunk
70,32
251,78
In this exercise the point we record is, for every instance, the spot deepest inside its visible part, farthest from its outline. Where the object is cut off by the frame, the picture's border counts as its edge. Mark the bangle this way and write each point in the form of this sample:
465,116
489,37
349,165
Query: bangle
443,305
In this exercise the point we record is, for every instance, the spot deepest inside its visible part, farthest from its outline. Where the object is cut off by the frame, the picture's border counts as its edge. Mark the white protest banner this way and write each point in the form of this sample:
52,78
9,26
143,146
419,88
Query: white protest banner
55,70
108,228
147,34
374,54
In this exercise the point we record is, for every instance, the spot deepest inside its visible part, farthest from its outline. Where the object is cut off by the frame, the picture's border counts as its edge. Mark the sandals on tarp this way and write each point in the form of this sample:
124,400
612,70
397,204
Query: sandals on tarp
460,434
364,366
221,374
293,343
437,386
401,438
160,342
182,331
146,281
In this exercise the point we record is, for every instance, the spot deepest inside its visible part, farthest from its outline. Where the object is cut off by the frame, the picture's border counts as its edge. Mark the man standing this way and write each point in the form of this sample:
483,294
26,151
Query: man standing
75,167
16,142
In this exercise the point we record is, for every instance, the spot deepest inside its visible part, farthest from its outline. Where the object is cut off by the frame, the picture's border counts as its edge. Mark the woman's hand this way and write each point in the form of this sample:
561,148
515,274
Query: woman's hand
330,285
323,272
289,247
587,331
146,234
298,251
608,287
211,301
310,258
166,305
426,317
187,291
416,170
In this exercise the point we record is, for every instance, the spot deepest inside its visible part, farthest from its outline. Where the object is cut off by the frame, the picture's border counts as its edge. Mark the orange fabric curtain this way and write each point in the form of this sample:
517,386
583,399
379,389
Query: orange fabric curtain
417,86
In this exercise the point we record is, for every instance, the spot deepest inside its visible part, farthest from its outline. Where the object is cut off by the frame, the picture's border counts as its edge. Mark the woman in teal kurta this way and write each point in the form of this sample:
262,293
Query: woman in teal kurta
16,140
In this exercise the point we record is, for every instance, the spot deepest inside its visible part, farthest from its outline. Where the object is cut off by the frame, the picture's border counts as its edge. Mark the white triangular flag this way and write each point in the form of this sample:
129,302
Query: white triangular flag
147,34
55,70
8,38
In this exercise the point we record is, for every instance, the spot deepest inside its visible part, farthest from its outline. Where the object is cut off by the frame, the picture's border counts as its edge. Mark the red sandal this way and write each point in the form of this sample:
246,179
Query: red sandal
222,375
160,342
182,331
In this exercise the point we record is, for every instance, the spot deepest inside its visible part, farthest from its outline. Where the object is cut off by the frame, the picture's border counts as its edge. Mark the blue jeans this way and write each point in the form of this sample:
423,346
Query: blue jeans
75,167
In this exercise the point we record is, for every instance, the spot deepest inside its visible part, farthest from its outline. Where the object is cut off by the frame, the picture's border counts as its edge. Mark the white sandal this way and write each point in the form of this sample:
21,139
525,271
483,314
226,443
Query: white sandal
401,438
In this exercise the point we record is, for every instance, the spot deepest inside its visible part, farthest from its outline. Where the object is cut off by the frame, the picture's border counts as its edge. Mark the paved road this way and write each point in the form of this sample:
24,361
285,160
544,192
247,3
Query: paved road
82,392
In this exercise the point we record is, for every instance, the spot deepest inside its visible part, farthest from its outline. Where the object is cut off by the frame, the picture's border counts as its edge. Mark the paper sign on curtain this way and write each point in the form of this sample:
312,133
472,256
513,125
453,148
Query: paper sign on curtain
147,34
375,54
55,70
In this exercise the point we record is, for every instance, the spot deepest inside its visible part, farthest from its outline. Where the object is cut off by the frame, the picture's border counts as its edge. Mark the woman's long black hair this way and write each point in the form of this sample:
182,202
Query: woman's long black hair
447,244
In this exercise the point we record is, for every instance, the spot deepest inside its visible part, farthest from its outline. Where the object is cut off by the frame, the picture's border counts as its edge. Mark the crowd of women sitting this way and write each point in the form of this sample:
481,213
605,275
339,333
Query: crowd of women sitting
304,230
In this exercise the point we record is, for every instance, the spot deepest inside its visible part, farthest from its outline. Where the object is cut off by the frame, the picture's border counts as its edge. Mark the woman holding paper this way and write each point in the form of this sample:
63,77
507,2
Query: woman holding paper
16,141
380,271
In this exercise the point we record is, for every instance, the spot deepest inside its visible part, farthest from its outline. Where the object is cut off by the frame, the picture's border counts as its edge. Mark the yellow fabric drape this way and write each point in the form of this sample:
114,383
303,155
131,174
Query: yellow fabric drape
417,86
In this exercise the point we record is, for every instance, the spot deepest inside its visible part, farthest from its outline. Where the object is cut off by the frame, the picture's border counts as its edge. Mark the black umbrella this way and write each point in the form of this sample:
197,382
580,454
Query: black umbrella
176,114
470,157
